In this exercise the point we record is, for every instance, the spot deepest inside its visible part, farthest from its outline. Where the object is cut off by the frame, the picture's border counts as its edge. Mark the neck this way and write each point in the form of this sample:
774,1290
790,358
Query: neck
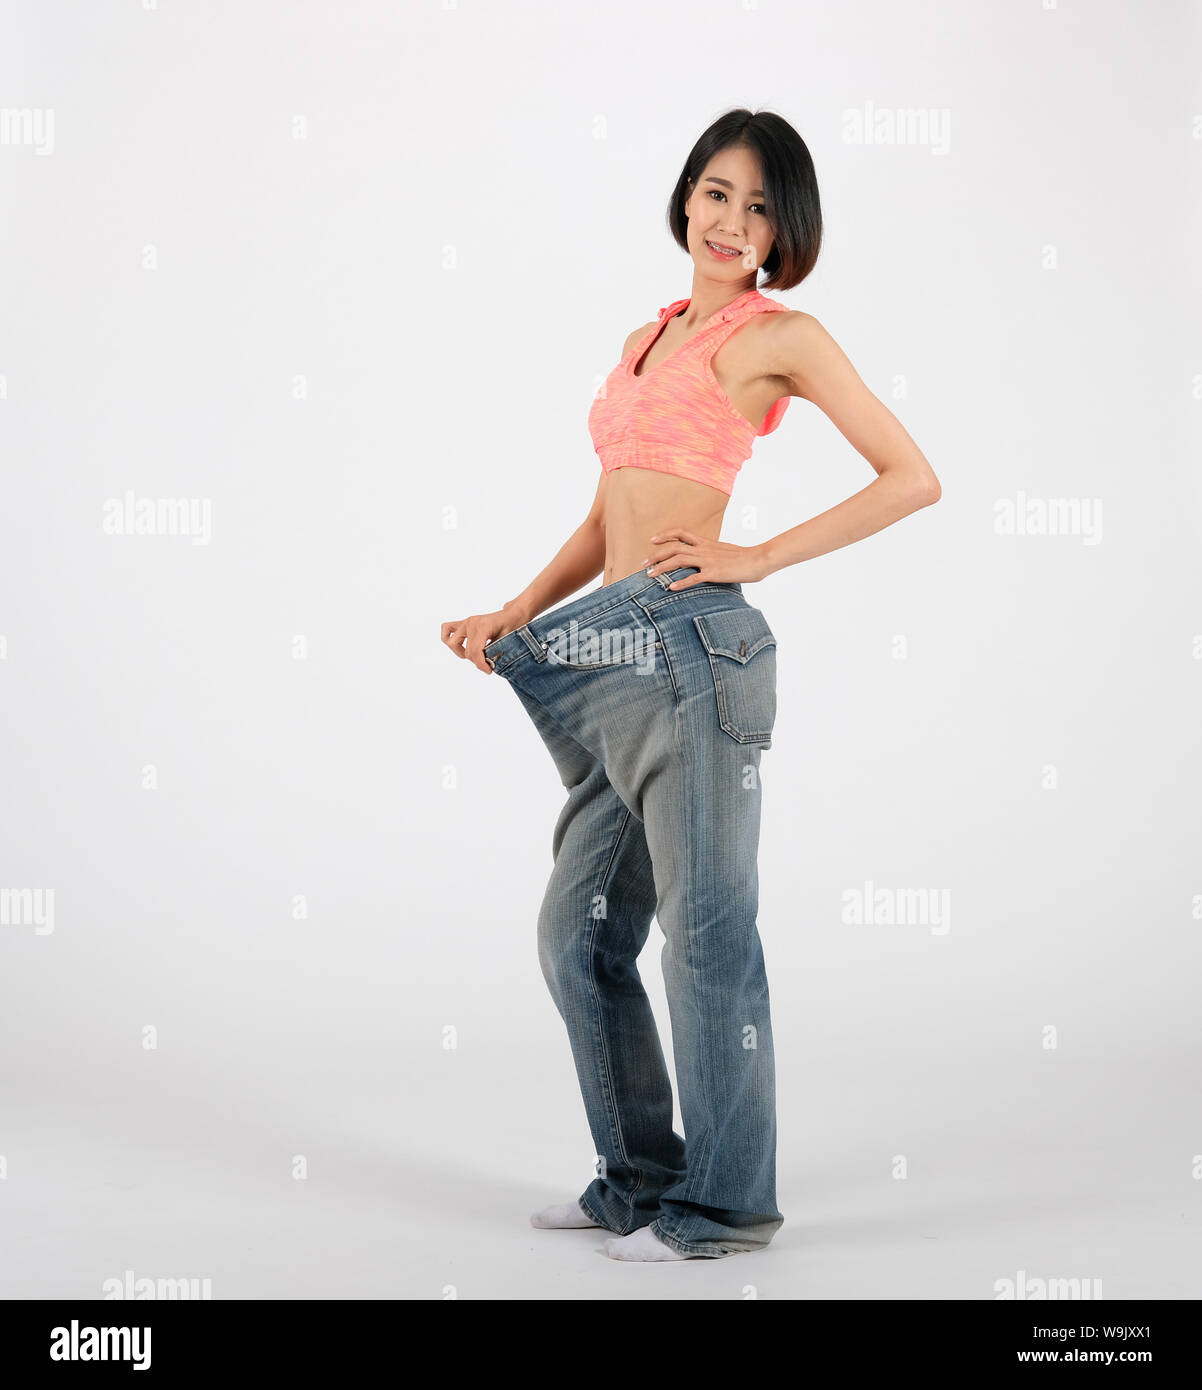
707,298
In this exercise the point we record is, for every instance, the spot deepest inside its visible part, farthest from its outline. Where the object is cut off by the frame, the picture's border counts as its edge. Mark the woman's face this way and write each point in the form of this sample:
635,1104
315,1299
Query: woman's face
726,208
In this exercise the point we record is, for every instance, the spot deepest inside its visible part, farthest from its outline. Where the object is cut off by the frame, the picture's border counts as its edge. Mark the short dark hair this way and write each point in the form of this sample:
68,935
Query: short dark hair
790,190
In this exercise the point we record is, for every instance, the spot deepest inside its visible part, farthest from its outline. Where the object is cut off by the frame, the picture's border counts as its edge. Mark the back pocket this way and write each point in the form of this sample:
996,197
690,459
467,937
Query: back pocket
742,654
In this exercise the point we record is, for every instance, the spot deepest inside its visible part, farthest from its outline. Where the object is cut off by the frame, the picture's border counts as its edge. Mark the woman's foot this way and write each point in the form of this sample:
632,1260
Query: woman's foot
642,1244
565,1216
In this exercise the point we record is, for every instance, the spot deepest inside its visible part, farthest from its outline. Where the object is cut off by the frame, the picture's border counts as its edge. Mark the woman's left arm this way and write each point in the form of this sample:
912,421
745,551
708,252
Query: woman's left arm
817,369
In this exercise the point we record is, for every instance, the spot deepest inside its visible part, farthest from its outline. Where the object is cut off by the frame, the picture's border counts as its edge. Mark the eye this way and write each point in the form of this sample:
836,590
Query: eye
717,193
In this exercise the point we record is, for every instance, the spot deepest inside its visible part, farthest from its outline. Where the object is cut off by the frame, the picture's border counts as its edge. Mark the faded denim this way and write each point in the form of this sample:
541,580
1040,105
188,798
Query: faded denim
656,707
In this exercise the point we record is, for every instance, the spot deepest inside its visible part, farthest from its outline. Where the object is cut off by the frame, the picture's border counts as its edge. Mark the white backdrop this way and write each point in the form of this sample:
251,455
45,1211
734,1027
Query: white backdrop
342,280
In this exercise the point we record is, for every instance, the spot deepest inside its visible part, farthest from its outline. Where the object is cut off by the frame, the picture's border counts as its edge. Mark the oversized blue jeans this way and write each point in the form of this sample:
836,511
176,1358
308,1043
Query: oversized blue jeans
656,706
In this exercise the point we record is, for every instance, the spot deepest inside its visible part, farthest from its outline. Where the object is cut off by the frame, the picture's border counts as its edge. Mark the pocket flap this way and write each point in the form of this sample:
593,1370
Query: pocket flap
734,632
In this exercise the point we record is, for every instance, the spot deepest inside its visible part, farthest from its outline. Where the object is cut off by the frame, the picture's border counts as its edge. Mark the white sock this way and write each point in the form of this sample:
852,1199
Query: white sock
642,1244
562,1217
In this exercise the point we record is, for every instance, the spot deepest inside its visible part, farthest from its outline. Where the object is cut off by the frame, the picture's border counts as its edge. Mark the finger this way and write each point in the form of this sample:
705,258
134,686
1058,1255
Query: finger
673,560
451,639
675,533
678,584
478,658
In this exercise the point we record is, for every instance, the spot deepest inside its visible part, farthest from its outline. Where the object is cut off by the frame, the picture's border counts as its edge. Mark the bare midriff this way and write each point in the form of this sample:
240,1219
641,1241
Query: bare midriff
640,503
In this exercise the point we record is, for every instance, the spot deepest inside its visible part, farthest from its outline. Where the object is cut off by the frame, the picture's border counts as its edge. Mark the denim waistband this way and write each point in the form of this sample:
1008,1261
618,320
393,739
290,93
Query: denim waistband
588,605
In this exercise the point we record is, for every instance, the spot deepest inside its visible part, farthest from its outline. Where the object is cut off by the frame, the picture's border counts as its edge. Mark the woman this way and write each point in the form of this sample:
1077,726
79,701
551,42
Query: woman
656,695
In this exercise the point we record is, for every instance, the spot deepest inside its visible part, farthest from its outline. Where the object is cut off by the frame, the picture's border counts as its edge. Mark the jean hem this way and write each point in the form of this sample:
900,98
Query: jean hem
684,1247
599,1218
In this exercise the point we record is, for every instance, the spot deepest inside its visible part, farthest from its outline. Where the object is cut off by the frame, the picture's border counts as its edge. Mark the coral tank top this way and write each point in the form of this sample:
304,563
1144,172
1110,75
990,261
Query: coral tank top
675,418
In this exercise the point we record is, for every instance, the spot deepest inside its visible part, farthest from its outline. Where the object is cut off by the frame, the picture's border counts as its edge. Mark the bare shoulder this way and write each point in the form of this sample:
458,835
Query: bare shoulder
800,348
797,331
638,334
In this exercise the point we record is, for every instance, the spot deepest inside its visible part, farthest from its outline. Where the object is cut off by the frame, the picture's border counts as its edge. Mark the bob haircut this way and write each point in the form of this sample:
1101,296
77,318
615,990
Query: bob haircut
790,190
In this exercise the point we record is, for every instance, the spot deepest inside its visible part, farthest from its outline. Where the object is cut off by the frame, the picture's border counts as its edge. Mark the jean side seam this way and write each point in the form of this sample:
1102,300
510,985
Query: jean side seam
706,1137
662,643
613,1105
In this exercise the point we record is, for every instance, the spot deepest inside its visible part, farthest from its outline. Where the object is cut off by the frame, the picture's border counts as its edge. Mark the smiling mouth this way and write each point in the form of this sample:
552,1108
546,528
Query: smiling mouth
730,252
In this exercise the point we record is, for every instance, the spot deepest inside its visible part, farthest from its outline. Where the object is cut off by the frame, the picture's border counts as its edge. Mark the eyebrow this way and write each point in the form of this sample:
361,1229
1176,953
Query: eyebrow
755,192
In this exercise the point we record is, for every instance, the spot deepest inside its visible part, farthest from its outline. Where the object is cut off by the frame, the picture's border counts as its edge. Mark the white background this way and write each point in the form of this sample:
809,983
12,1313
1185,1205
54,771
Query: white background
350,275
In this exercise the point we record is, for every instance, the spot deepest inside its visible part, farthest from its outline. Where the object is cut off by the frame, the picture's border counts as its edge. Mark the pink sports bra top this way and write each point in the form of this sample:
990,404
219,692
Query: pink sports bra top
675,418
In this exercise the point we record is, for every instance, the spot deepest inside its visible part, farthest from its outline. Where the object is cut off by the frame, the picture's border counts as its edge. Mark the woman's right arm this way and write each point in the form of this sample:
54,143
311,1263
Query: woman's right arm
579,559
583,554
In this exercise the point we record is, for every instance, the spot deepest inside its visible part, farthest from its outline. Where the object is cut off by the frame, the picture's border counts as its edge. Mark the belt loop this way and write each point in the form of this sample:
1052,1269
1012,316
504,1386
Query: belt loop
532,642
